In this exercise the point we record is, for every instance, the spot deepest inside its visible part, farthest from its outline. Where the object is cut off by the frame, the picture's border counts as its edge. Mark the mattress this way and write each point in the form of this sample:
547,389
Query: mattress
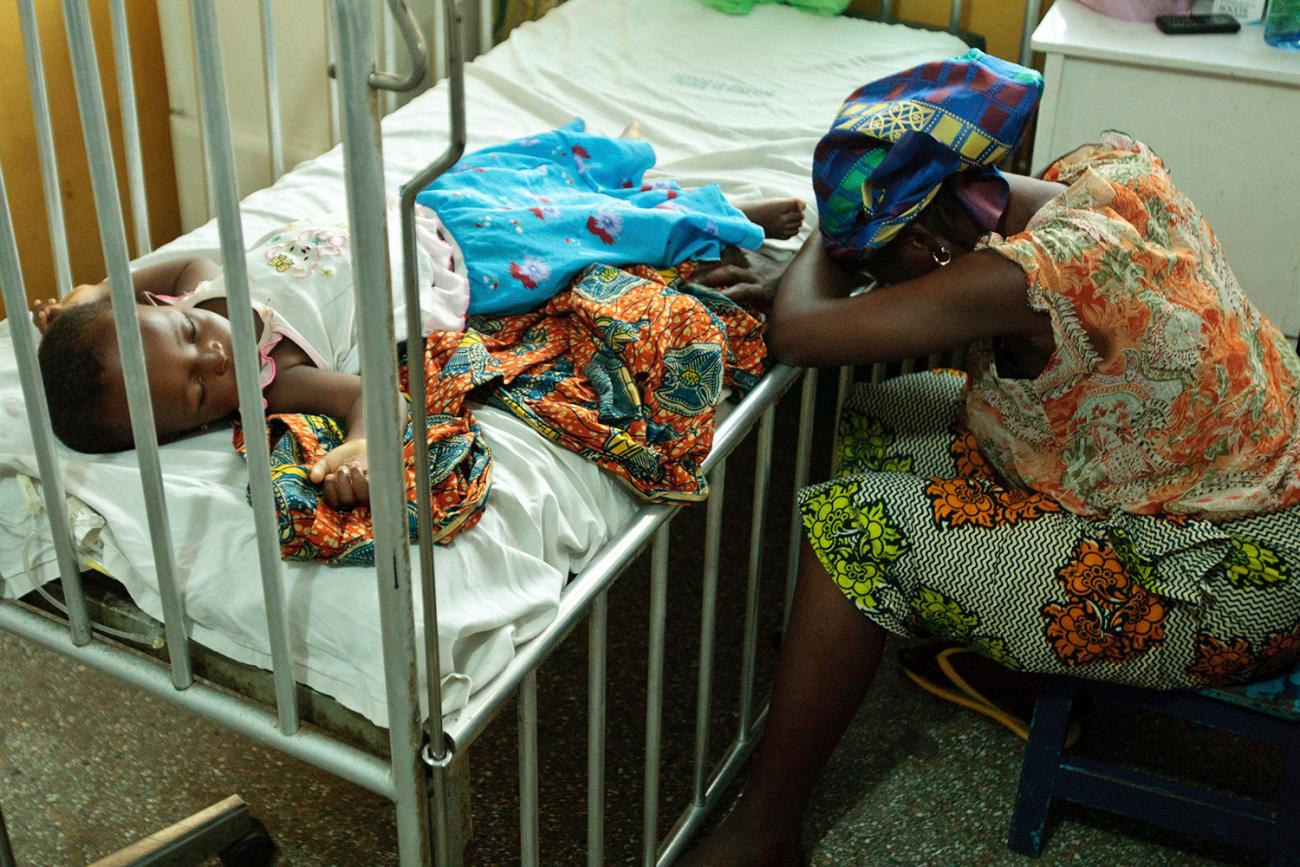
740,101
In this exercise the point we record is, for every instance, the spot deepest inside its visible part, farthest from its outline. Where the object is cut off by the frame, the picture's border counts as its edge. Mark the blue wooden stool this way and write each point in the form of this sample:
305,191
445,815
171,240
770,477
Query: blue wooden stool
1267,710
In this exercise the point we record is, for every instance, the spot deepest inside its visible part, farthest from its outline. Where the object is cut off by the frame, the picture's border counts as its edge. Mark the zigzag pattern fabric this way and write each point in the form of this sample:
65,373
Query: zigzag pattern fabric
895,140
918,530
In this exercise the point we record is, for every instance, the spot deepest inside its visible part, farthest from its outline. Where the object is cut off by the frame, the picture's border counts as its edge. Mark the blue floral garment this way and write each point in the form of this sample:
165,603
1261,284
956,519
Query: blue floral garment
530,214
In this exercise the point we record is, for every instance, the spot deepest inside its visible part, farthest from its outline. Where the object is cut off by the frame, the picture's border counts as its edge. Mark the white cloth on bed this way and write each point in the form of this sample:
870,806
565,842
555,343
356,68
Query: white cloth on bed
740,101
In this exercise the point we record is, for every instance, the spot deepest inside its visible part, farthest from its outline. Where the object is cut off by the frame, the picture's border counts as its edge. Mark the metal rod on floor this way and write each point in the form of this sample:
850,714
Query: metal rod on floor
757,536
108,209
271,73
802,466
45,148
597,627
654,693
529,852
130,128
225,190
708,621
363,163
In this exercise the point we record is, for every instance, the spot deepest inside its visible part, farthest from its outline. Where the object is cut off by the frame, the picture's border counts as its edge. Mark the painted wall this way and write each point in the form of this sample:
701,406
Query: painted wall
18,154
999,22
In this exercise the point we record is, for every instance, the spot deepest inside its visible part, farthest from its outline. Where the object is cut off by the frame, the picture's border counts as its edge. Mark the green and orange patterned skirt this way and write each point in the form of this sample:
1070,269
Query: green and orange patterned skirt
918,530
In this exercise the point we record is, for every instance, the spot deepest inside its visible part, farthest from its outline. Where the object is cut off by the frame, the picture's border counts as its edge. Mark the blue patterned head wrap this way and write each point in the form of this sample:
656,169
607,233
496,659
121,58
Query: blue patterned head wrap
895,140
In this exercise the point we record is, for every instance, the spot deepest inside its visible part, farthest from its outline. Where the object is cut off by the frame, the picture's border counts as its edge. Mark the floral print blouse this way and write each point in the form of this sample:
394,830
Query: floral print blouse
1167,392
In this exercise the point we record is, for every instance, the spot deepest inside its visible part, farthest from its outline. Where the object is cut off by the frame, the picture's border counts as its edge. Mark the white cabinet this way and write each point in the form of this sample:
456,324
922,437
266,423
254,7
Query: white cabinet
1223,111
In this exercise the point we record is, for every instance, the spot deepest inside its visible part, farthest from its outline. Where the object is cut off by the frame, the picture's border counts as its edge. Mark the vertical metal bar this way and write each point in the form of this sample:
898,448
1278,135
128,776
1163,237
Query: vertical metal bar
954,16
529,853
437,40
364,168
225,187
108,209
388,51
1027,32
802,466
654,692
45,147
452,28
38,418
484,26
130,128
596,632
332,86
203,155
886,10
843,388
271,72
906,366
6,848
708,620
762,476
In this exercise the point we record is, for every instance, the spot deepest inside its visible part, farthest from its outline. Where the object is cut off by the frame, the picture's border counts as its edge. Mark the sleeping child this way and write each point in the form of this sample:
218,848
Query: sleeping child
508,227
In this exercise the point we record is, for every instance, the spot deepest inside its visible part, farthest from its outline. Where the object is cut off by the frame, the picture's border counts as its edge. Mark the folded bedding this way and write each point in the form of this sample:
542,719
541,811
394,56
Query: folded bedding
624,368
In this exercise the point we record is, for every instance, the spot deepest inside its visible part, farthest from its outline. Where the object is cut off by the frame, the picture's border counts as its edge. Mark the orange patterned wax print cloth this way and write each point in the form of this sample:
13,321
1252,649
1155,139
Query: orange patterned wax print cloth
1168,392
625,368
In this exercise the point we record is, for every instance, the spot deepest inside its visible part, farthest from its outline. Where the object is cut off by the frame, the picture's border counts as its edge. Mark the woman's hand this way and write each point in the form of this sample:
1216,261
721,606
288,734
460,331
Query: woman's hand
733,277
344,475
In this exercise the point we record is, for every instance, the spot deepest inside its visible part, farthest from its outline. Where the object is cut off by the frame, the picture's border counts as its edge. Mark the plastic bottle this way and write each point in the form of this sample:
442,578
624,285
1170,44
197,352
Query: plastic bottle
1282,24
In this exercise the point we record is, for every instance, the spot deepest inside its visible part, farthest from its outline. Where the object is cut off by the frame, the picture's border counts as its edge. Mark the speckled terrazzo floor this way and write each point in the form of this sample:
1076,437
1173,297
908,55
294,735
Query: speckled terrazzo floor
915,782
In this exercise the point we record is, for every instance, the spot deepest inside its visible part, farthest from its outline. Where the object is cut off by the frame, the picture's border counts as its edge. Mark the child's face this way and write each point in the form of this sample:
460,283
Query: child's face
191,370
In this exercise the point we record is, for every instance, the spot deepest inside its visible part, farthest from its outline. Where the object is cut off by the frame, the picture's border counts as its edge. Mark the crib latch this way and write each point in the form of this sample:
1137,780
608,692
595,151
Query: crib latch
414,46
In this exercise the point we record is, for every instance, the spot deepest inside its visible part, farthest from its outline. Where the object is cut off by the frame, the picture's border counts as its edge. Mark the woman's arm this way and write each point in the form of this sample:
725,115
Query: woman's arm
816,323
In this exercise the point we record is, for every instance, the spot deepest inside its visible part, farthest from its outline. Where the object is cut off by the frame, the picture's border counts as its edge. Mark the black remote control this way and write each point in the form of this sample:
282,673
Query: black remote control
1177,25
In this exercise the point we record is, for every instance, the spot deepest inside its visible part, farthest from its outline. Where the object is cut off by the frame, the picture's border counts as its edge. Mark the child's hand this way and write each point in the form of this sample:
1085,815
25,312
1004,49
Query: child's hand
45,311
344,475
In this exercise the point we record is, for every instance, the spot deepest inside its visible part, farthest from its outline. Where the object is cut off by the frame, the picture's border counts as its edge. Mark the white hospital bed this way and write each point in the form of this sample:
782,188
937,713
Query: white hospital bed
740,101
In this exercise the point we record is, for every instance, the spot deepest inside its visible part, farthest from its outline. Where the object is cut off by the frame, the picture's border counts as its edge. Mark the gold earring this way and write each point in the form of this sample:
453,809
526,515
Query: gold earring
941,257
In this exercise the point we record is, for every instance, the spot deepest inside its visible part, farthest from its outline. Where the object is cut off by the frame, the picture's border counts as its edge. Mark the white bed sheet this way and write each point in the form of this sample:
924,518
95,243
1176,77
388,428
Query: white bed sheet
740,101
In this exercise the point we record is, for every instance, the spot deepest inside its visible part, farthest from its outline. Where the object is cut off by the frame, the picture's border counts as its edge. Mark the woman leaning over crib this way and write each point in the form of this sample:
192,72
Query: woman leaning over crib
1110,490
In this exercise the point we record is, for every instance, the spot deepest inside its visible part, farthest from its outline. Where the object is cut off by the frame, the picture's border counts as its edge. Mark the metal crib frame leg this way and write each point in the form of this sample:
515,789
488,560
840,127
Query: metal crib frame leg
1042,758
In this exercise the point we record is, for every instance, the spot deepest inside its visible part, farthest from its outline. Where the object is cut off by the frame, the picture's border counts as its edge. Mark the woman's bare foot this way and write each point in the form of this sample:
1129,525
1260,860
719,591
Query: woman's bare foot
779,218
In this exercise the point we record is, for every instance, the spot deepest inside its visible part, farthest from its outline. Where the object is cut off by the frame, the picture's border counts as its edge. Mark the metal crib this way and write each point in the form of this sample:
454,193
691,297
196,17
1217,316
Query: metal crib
417,777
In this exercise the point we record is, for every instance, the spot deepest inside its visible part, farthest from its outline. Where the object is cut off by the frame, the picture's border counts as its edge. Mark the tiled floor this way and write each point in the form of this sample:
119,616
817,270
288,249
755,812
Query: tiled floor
916,781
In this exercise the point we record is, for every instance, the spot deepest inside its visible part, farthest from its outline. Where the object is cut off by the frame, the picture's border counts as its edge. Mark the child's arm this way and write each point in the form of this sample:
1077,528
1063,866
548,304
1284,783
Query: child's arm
343,473
174,277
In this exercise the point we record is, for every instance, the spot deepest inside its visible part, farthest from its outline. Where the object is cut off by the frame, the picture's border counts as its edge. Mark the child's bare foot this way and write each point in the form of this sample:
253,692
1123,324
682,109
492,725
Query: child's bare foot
632,130
779,218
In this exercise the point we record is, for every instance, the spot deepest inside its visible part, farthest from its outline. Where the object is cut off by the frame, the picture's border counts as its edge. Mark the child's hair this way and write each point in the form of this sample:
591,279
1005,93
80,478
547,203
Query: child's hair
72,365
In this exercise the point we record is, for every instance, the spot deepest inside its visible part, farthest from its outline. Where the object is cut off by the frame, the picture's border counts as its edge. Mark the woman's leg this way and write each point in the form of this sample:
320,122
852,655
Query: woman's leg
828,659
